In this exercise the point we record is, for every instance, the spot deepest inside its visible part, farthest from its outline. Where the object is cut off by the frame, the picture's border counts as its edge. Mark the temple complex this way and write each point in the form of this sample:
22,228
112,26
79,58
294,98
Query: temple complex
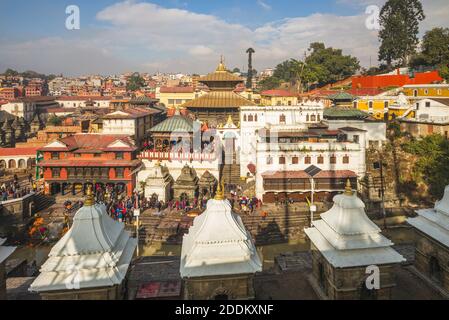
158,184
432,241
219,258
186,186
215,106
344,243
91,261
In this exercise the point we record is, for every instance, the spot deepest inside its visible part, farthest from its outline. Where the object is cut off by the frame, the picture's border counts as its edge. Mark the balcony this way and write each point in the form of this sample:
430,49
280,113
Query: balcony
182,156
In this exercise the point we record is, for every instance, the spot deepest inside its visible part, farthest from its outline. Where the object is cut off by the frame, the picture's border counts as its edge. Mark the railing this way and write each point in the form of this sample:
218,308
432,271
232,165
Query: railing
186,156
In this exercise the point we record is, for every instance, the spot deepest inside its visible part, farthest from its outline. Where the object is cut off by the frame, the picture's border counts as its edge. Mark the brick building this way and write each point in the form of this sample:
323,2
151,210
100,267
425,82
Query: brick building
75,162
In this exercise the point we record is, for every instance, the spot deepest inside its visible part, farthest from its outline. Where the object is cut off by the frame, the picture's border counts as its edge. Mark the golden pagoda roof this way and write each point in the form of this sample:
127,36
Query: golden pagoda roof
221,74
219,99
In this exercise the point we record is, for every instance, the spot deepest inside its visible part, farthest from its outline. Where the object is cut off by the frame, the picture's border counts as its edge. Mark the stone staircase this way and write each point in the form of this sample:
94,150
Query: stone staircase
42,202
231,174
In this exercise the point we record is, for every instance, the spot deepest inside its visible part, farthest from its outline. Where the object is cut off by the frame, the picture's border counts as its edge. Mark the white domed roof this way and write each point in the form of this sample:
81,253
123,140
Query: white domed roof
95,252
348,238
218,244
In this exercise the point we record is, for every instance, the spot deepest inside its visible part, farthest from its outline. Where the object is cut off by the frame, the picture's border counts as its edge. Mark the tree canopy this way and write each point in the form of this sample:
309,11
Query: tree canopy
399,20
435,51
321,67
135,82
432,162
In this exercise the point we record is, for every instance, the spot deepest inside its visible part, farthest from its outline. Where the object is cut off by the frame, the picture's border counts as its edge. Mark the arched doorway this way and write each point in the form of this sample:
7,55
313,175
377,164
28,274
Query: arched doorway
2,164
435,270
12,164
22,164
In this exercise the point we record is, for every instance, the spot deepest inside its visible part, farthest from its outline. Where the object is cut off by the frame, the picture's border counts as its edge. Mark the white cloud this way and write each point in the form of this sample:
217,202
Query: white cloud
264,5
147,37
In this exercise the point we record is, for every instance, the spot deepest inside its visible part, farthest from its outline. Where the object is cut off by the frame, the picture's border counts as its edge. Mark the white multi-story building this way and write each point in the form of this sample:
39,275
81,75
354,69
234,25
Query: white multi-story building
255,118
81,102
133,121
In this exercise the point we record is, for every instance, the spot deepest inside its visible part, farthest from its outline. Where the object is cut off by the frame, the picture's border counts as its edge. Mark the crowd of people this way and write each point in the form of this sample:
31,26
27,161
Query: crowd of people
13,190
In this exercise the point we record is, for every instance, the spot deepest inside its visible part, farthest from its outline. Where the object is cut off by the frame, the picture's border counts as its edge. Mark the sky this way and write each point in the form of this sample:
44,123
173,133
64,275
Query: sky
186,36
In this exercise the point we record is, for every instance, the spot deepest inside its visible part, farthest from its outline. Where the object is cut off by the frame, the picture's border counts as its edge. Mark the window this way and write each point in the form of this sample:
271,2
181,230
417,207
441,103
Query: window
250,118
313,118
356,138
307,118
178,101
55,156
355,104
289,103
320,160
77,155
370,105
333,159
345,159
318,117
282,118
281,160
415,93
426,92
119,155
295,160
428,104
119,173
439,92
97,155
308,160
386,105
269,160
171,101
255,118
417,106
244,117
55,172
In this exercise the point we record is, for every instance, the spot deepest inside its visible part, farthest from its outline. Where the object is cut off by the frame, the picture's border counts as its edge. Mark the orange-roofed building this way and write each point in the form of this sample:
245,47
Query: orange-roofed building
72,163
278,97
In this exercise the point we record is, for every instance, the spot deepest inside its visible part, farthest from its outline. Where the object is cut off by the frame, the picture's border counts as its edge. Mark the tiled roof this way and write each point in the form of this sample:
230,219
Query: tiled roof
341,96
175,123
300,174
82,98
131,113
176,90
220,76
278,93
93,142
219,99
344,113
5,152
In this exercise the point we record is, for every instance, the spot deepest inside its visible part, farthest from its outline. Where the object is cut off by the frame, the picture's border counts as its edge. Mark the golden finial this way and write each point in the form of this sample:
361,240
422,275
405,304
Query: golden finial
89,197
219,194
348,189
221,67
230,122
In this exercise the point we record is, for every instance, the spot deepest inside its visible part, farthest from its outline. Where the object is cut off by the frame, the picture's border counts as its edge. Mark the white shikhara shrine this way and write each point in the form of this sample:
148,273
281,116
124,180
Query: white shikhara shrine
96,252
218,244
434,222
346,237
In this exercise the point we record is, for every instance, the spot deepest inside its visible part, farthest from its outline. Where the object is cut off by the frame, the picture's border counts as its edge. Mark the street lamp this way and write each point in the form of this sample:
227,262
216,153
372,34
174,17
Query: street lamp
312,171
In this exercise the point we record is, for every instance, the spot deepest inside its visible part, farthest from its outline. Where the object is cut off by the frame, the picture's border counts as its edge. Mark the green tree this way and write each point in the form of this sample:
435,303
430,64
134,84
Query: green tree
435,51
433,160
11,73
236,70
54,120
135,82
399,20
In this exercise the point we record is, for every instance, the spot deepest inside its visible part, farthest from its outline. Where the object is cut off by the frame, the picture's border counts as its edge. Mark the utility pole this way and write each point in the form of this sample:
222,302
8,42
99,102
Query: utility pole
382,192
